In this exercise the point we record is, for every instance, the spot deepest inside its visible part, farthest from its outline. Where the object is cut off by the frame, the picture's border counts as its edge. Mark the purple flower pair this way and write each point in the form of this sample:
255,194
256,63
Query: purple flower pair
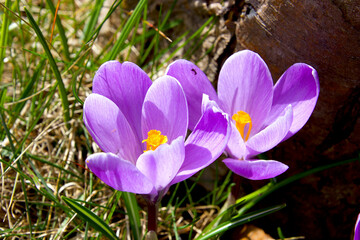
262,115
141,127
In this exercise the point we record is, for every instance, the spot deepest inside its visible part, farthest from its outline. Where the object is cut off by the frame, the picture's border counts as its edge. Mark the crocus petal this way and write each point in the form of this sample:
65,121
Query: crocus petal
236,147
245,84
165,109
119,174
207,103
205,144
357,229
256,169
194,83
271,135
126,85
298,86
109,128
162,164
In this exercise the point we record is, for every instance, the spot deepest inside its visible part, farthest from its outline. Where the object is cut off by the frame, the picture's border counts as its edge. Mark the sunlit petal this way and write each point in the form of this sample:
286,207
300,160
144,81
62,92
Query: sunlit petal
194,83
119,174
109,128
255,169
165,109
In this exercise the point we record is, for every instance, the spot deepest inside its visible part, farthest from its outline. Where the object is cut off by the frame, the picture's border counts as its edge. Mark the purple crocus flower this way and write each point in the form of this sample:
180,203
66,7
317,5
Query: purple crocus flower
141,127
262,115
357,229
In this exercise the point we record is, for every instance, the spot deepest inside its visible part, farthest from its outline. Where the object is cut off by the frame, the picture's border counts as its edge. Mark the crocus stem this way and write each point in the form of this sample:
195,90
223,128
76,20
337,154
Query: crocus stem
152,216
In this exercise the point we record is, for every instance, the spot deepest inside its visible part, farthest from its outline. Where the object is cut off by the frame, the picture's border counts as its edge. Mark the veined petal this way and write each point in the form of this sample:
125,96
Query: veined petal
119,174
109,128
298,86
236,147
165,109
195,84
208,103
162,164
205,144
256,169
272,135
245,84
126,85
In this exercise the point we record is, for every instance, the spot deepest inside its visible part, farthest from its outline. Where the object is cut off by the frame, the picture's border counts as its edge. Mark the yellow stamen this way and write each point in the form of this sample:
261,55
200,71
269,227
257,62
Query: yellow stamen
154,140
241,119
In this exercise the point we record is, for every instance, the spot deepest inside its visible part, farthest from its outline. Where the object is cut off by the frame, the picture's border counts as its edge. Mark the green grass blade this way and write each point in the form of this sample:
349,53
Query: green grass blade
84,50
61,86
194,35
280,233
74,88
7,132
289,180
114,205
4,36
251,199
236,221
126,31
133,213
94,16
144,31
35,121
175,229
42,160
90,217
23,186
155,40
60,29
113,7
26,93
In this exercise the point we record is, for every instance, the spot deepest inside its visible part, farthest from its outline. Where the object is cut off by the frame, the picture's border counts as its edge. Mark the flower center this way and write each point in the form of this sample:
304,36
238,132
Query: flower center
154,140
241,120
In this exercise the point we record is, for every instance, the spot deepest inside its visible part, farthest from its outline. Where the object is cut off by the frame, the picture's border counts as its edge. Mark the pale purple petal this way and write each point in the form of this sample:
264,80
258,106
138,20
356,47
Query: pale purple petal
256,169
298,86
208,103
357,229
245,84
165,109
109,128
236,147
126,85
162,164
205,144
272,135
194,83
119,174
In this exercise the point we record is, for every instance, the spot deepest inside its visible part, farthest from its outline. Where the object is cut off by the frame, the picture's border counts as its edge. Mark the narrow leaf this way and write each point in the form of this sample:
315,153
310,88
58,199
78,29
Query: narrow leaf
94,16
88,216
61,86
234,222
126,31
132,210
60,29
4,36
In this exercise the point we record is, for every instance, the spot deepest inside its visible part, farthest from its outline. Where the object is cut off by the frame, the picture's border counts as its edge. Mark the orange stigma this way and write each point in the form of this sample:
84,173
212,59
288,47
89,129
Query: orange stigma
154,140
241,119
